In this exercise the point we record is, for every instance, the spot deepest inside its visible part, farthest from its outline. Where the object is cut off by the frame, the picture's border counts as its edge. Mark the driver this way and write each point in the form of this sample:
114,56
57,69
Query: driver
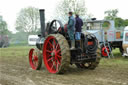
71,29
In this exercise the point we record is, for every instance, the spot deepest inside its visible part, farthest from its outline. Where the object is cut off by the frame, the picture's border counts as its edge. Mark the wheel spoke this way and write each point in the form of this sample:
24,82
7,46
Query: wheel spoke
54,42
57,46
58,60
50,44
48,56
57,65
58,56
58,51
52,67
49,59
48,51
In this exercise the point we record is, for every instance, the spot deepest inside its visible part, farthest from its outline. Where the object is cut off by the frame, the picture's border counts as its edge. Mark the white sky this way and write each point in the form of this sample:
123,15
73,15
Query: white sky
9,9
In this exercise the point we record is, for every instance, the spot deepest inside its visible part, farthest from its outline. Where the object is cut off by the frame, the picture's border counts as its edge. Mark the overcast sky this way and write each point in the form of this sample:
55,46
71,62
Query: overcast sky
9,9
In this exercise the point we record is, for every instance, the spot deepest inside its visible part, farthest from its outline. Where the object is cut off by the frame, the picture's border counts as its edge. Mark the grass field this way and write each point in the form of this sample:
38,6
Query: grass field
14,51
15,70
18,51
23,51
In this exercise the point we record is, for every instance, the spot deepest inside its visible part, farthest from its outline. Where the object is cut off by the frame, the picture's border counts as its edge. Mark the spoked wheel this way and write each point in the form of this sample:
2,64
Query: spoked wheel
35,59
89,65
104,52
56,54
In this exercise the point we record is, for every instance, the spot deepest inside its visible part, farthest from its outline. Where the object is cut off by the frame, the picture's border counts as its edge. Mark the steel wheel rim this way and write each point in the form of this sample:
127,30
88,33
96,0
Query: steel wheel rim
52,54
33,59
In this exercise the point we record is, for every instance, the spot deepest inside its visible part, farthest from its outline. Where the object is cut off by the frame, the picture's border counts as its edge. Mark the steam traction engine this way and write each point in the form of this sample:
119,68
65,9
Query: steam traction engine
56,52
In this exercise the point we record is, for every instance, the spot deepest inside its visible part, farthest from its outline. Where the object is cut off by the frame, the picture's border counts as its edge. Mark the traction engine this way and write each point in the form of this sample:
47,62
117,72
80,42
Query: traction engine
53,48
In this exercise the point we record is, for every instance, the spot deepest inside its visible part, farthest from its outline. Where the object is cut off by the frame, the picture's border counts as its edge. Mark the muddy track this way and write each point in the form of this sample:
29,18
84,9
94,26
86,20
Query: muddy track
18,72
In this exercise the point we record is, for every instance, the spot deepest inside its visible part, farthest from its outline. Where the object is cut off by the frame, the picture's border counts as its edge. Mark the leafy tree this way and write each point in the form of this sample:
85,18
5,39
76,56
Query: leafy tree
19,37
28,20
126,22
3,26
64,6
119,22
111,14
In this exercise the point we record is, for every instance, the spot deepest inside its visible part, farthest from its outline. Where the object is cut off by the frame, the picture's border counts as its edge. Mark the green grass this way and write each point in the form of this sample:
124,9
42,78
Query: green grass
118,59
19,50
18,44
114,61
116,53
15,51
22,51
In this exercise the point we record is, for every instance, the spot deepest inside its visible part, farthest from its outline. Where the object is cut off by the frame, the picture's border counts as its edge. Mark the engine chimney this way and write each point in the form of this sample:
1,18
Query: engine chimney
42,22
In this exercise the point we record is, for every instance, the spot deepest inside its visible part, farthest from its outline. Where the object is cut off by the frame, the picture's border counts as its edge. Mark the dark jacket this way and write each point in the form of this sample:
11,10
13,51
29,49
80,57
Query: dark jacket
79,24
71,23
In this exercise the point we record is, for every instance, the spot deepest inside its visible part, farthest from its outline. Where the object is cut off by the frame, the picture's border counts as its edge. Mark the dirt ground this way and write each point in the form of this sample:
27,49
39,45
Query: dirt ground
16,71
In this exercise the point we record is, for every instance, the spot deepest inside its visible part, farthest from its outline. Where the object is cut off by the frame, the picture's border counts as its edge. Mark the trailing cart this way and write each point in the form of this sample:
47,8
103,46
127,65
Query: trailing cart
125,42
106,33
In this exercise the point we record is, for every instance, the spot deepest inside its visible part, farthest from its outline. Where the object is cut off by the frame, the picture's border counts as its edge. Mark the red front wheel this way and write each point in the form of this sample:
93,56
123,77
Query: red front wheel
56,54
35,59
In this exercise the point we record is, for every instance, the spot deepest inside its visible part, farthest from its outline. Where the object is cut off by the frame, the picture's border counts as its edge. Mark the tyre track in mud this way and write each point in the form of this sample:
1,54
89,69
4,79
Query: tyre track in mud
21,74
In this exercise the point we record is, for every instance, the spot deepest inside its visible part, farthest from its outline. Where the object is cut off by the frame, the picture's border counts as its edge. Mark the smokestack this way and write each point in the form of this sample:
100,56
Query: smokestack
42,22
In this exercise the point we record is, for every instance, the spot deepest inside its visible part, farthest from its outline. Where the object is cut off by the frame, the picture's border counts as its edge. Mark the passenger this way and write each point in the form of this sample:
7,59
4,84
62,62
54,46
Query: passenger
71,29
78,26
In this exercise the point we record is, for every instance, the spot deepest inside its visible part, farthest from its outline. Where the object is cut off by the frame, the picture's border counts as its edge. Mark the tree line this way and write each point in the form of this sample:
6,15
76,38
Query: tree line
28,19
112,15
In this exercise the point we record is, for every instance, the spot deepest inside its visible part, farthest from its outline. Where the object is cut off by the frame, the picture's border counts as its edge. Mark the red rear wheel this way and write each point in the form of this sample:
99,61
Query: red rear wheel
56,53
35,59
